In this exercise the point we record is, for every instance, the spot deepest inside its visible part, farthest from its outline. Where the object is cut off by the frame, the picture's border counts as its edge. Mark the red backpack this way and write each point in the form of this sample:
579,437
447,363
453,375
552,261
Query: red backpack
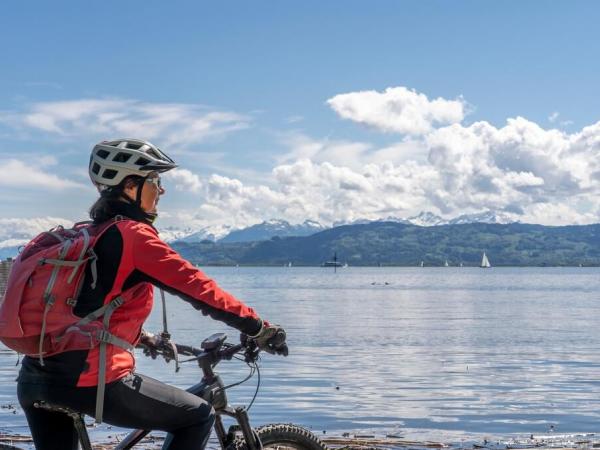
36,312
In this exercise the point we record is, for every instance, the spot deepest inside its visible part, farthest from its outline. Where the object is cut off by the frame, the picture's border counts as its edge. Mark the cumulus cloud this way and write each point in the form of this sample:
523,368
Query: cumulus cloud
533,174
398,110
307,190
172,123
184,180
513,167
22,174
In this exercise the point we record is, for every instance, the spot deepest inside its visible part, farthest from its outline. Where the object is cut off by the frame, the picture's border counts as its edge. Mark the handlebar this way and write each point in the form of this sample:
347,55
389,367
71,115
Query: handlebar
214,349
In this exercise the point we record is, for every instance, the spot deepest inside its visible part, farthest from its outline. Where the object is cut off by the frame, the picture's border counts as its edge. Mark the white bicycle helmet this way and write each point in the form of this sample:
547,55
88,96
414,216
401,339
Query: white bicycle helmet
112,161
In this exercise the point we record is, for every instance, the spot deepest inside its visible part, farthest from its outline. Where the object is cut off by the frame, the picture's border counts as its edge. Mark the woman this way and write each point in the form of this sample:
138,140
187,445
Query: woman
131,258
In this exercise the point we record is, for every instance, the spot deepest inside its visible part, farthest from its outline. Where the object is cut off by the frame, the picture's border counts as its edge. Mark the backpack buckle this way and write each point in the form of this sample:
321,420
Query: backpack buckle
103,336
71,302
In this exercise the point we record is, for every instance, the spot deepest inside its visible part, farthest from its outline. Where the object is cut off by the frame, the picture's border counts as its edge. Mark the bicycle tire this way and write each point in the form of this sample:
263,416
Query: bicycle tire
282,436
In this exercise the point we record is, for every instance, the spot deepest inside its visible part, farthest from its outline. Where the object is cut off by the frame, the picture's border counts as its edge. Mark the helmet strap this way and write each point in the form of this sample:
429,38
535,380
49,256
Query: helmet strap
150,217
138,197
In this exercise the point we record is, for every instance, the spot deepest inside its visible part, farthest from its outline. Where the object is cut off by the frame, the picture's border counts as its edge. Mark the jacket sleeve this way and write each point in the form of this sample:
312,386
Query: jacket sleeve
168,270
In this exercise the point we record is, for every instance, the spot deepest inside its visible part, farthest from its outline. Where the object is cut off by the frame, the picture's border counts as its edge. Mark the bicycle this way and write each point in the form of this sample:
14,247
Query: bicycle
240,436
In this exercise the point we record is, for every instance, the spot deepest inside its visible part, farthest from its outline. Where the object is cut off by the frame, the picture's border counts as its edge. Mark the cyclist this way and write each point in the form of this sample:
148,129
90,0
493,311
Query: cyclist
131,259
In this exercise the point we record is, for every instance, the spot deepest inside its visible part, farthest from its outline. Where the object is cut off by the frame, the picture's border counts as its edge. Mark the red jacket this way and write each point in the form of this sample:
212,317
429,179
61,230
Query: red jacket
131,259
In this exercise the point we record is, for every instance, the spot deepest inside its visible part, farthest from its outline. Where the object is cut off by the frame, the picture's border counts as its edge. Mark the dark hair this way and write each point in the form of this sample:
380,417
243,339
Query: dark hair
113,202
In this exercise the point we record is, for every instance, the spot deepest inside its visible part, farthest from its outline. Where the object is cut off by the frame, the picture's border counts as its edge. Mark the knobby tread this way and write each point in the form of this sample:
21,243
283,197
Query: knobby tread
283,434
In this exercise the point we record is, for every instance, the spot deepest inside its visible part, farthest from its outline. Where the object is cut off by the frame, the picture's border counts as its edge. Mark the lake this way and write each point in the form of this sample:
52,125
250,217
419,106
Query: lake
425,353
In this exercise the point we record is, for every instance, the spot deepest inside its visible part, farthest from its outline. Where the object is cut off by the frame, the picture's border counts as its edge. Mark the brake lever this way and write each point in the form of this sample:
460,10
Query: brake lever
172,348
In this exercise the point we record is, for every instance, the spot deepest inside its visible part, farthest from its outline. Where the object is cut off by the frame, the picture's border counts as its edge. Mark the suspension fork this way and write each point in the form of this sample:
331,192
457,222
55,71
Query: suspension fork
224,438
251,438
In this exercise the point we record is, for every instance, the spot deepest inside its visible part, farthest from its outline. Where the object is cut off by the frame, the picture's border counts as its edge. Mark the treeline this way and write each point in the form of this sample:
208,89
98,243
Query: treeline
391,243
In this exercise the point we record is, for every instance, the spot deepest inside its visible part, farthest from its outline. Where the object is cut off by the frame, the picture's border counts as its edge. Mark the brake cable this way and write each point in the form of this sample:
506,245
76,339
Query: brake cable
257,386
165,335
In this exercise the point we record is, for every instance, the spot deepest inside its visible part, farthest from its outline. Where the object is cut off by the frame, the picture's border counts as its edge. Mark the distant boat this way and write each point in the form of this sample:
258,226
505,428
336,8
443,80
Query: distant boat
485,262
345,265
422,263
446,263
461,264
332,264
288,264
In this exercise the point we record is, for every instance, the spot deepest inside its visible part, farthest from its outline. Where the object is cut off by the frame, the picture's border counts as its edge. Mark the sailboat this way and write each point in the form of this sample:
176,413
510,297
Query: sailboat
422,263
446,263
485,262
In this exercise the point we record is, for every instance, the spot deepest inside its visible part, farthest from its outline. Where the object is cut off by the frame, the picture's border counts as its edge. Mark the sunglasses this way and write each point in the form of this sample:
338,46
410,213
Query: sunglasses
155,181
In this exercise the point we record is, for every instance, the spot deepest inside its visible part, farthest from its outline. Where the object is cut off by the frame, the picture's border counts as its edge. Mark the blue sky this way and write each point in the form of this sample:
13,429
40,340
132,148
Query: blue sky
240,93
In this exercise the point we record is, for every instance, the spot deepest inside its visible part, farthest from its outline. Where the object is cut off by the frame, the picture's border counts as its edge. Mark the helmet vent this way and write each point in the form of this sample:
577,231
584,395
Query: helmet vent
153,153
122,157
96,168
142,161
134,145
109,174
102,153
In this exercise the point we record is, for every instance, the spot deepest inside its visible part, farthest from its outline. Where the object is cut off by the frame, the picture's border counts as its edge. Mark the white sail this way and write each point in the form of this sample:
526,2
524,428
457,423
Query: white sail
485,262
422,262
446,263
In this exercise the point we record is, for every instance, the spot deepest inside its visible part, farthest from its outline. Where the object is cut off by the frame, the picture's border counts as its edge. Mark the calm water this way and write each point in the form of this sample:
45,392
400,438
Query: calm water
436,353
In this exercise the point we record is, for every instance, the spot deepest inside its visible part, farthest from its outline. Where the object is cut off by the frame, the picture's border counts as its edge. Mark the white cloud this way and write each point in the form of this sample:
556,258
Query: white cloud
16,231
543,175
176,124
553,118
16,173
533,174
398,110
184,180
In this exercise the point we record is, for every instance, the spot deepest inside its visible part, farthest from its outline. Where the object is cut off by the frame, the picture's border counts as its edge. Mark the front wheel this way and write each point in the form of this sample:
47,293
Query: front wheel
282,436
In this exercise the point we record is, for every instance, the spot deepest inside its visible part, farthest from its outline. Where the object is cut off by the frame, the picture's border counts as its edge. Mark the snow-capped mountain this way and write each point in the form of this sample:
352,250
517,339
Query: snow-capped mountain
170,234
426,219
429,219
268,229
189,234
212,233
484,217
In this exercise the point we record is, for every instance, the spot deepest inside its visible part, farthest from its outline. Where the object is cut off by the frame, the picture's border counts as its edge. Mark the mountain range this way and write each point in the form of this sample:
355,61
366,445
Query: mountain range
394,243
274,227
226,239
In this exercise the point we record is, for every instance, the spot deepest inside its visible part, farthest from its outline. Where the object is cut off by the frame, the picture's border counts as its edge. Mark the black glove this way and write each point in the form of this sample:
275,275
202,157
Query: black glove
150,343
271,339
155,344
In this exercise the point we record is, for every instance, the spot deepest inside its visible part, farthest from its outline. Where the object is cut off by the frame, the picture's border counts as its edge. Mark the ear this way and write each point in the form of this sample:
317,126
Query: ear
130,189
